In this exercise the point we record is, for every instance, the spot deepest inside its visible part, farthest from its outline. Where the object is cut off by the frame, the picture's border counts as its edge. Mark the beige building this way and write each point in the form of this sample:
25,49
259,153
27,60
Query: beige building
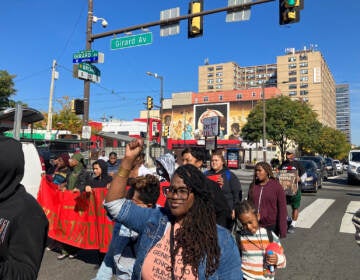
300,74
305,75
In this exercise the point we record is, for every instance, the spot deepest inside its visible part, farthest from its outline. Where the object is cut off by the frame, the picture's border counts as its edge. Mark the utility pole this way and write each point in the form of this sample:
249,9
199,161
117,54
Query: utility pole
264,122
147,154
53,78
88,47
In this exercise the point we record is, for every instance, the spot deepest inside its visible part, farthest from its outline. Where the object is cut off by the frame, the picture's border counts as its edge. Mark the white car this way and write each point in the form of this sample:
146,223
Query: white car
339,166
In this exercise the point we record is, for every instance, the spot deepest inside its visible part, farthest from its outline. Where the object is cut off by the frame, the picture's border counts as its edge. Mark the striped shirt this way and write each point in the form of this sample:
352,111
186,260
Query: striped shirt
252,255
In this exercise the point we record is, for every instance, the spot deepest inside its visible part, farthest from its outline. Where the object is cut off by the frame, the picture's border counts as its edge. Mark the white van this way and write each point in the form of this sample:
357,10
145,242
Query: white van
354,167
33,169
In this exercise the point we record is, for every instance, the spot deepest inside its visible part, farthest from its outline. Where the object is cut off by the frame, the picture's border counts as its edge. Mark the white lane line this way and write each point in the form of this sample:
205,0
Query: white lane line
346,224
310,214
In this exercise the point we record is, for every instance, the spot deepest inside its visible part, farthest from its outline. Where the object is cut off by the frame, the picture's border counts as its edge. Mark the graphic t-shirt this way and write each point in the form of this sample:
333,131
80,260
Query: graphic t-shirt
157,263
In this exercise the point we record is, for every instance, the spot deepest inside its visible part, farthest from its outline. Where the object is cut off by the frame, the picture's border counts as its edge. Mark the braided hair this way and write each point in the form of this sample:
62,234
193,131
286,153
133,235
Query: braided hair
199,224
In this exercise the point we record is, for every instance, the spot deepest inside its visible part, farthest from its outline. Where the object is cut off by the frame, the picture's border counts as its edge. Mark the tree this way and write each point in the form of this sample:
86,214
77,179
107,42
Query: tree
64,119
287,121
332,143
6,89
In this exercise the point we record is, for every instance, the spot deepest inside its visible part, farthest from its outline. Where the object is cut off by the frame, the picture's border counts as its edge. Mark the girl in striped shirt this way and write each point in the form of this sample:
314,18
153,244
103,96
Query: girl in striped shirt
260,249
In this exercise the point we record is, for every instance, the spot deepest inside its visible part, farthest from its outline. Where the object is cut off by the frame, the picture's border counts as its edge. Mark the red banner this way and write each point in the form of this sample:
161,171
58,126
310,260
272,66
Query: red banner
77,219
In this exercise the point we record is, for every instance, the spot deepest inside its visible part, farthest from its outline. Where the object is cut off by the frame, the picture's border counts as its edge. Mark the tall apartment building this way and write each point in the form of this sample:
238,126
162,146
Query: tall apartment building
302,75
305,75
343,109
230,76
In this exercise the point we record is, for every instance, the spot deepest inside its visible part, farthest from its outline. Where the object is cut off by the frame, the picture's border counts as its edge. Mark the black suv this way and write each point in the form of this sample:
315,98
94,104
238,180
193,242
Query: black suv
320,162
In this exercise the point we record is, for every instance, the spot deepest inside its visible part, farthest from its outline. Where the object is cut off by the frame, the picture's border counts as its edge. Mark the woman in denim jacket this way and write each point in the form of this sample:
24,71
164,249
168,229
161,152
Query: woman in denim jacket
181,240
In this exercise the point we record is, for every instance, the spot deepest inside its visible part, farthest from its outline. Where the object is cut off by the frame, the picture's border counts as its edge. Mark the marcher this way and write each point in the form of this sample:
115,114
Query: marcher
196,156
293,201
61,171
103,156
255,244
228,182
356,222
23,224
184,237
139,168
120,257
100,179
113,163
269,199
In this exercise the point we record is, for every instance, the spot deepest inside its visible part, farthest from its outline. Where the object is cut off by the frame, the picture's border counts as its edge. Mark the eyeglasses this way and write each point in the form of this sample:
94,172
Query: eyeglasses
182,192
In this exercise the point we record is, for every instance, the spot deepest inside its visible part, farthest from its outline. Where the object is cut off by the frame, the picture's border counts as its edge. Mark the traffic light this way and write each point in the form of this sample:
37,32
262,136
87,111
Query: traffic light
77,106
166,130
195,24
149,103
289,11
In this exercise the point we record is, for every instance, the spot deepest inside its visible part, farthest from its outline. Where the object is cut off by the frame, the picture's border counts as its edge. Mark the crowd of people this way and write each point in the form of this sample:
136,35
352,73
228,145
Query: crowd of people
158,216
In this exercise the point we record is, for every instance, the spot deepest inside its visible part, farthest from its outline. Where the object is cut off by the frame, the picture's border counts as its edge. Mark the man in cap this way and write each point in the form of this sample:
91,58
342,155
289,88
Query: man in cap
294,201
23,224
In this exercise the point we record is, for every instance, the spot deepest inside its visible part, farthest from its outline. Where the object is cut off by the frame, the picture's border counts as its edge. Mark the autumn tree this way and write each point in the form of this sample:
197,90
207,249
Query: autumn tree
6,89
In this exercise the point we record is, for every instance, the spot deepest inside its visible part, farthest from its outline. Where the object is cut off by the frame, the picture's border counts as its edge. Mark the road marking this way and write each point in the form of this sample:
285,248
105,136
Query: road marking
310,214
346,223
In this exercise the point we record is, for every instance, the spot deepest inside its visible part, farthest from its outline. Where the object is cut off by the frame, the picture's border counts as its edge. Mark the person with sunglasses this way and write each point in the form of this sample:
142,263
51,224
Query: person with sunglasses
181,240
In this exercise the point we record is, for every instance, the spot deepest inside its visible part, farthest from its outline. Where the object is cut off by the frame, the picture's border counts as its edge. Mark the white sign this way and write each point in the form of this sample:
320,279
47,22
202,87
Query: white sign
86,132
211,126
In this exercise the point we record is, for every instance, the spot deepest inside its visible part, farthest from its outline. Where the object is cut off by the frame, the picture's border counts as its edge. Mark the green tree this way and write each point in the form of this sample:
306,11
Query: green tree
287,121
332,143
6,89
64,119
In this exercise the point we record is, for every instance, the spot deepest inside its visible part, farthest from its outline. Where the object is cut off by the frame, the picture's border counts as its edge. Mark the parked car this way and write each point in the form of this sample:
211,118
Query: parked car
354,167
330,167
313,179
320,162
339,166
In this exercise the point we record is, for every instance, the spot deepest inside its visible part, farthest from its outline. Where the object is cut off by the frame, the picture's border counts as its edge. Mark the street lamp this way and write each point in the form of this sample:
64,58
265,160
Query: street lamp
90,20
161,78
264,122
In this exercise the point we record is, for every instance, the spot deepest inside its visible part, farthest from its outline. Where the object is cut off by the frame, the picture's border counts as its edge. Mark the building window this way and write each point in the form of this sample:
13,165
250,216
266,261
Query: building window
304,78
219,80
292,79
219,74
292,93
304,85
303,57
292,86
220,97
303,64
210,68
210,81
304,71
211,87
219,86
210,75
206,99
291,59
253,94
219,67
238,96
292,72
304,92
292,65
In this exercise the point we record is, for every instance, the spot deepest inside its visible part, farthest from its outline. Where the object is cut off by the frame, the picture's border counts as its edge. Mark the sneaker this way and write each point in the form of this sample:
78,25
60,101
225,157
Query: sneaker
291,229
62,256
72,256
48,249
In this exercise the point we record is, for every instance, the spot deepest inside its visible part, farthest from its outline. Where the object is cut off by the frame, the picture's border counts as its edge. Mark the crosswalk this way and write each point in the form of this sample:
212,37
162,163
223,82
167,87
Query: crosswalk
311,213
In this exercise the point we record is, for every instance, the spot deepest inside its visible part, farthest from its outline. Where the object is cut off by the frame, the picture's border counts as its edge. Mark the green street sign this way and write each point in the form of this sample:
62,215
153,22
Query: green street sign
131,41
89,68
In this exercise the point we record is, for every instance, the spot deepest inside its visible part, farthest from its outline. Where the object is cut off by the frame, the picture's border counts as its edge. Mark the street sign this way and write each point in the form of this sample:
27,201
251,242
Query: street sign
86,71
88,56
131,41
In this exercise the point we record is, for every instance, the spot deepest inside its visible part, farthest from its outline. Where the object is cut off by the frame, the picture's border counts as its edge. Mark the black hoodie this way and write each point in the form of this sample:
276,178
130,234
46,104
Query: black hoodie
23,224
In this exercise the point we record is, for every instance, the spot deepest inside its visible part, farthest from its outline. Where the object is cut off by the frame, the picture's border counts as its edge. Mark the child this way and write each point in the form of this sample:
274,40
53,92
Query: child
257,261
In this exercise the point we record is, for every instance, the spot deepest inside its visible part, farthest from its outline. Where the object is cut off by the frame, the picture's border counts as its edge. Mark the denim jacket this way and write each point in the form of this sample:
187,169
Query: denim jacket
151,224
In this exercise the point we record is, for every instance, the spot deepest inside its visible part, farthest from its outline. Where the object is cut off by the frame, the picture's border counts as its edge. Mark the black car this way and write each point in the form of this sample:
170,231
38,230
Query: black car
313,179
320,162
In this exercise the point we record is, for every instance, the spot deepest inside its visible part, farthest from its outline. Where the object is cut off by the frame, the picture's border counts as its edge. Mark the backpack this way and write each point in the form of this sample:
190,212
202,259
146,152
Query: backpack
237,231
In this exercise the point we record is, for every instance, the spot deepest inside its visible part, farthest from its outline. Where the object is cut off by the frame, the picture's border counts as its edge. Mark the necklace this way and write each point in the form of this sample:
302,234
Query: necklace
259,244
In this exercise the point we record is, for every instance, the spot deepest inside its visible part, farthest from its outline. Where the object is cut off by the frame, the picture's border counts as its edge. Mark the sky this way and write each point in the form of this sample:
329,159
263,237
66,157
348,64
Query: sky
34,33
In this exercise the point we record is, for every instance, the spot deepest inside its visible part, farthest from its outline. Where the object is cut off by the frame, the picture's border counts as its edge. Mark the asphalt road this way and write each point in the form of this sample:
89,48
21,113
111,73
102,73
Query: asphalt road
317,252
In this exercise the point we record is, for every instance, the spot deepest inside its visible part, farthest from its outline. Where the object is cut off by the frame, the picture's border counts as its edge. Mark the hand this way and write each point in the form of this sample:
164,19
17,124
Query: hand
272,259
220,181
76,190
88,189
132,151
